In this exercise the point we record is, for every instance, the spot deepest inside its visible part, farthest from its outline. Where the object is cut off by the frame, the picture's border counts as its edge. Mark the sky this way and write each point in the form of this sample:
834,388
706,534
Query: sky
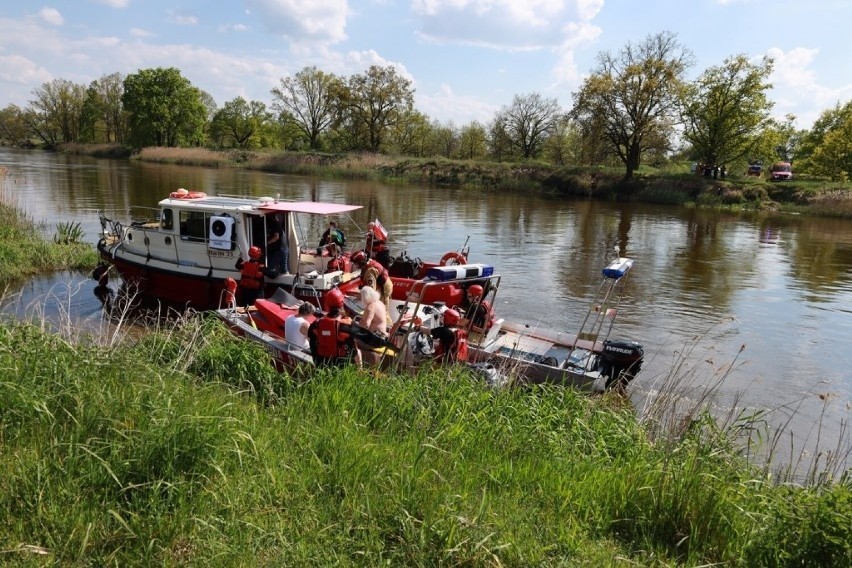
466,59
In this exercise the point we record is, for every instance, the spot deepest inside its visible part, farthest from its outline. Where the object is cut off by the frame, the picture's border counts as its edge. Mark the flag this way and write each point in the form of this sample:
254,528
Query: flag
379,231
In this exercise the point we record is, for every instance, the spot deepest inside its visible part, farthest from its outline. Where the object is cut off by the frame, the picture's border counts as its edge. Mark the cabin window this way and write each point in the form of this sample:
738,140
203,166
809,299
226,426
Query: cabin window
193,226
167,220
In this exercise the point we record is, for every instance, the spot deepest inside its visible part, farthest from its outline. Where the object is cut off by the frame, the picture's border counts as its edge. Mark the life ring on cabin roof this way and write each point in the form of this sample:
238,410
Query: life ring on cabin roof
455,257
185,194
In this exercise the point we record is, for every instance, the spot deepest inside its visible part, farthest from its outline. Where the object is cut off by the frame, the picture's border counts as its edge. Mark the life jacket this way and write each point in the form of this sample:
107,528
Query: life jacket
381,270
331,342
251,274
458,351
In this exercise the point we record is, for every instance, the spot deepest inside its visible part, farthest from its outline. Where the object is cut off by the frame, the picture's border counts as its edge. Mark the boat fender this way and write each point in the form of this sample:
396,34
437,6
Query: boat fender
453,257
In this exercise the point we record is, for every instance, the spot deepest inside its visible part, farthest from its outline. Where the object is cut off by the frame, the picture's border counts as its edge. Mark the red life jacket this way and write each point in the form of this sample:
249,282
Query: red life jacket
458,350
383,273
331,342
251,274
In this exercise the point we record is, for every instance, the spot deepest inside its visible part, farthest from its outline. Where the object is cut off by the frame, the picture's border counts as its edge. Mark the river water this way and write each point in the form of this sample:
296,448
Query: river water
755,307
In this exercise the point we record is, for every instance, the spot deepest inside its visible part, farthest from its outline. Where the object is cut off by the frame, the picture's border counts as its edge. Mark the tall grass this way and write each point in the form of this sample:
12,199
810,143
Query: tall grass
185,447
25,252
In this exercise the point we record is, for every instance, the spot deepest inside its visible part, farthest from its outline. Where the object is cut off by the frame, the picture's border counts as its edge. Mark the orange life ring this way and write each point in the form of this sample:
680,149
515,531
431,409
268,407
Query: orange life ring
184,194
455,257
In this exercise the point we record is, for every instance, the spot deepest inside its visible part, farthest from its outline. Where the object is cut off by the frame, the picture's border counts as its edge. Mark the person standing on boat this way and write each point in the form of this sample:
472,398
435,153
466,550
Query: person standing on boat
296,326
329,337
376,276
373,319
251,276
276,251
452,340
333,239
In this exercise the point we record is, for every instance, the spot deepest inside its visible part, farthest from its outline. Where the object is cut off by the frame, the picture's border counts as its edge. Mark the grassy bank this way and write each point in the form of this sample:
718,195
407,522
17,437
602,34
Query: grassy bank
24,250
187,448
672,184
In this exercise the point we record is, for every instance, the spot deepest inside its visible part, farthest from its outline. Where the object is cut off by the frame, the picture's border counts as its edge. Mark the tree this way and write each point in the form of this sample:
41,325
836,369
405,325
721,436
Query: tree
444,139
829,144
725,108
473,141
164,108
239,122
375,101
410,135
563,146
13,126
56,111
632,98
311,98
528,121
827,121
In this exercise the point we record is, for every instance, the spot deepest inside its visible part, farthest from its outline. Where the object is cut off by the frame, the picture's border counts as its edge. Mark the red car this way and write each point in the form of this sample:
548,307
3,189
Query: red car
781,171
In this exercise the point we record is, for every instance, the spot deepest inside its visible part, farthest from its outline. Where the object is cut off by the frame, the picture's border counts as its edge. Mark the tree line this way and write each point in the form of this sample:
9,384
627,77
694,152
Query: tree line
635,107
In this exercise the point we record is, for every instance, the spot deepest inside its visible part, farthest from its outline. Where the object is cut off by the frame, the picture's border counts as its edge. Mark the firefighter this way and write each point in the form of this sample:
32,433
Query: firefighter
452,339
331,341
251,276
478,310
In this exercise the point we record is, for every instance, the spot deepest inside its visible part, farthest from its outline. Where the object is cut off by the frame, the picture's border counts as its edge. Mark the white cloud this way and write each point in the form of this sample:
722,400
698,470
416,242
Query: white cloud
451,107
182,18
317,21
138,32
19,69
51,16
114,3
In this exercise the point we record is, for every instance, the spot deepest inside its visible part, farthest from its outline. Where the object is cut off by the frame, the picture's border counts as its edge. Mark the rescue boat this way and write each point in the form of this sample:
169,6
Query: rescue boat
180,253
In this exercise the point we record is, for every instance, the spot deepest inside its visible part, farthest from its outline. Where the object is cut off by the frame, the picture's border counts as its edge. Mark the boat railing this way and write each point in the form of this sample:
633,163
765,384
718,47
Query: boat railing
404,328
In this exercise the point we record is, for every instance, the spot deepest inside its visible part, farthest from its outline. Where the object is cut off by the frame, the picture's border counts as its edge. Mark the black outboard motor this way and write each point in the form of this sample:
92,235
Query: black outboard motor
620,362
404,266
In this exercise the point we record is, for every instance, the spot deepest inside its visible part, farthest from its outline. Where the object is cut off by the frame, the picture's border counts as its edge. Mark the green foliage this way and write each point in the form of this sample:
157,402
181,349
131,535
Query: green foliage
164,109
70,233
725,109
143,453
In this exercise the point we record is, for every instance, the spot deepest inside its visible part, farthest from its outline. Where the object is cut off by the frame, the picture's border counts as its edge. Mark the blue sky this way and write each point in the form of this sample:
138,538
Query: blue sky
465,58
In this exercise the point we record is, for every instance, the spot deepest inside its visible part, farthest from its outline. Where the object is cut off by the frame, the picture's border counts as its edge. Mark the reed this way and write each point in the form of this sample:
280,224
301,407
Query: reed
184,447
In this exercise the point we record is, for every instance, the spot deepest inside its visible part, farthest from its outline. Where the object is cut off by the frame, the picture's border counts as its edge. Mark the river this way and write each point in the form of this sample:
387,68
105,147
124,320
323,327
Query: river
761,300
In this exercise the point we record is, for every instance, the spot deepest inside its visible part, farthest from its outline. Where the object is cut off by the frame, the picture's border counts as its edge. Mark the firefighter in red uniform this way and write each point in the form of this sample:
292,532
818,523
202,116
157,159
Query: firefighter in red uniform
478,310
452,340
330,338
375,275
251,276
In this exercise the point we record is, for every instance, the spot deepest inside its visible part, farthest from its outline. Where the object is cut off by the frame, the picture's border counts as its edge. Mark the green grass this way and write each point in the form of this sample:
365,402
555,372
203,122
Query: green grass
186,448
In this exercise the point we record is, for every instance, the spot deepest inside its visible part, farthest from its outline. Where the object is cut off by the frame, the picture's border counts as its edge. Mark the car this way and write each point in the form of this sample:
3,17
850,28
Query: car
781,171
754,170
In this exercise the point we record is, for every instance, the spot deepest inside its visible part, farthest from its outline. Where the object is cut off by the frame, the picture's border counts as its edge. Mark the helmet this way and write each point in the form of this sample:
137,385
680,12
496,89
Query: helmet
475,291
359,257
334,299
451,317
254,252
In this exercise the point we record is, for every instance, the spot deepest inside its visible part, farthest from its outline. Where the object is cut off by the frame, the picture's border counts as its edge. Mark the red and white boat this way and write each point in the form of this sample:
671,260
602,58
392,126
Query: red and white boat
180,253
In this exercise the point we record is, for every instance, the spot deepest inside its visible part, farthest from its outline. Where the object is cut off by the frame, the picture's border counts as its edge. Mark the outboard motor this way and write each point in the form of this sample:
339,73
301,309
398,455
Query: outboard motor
404,266
620,362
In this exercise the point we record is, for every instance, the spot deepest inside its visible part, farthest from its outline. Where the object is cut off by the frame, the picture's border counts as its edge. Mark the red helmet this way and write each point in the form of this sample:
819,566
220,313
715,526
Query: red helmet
475,291
451,317
359,257
254,252
334,299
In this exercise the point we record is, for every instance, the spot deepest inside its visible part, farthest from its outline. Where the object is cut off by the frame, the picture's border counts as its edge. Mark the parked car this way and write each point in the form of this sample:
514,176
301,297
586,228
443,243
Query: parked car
781,171
754,170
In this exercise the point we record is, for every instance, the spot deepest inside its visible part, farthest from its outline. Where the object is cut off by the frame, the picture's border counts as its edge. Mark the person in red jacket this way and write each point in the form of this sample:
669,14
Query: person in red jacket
452,339
330,338
252,278
477,309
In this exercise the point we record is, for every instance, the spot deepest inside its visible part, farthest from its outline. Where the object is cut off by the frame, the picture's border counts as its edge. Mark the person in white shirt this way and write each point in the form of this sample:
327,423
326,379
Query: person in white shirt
296,326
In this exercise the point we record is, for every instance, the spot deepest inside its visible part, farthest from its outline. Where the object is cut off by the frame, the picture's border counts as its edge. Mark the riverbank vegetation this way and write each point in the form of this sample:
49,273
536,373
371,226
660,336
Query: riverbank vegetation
186,447
636,115
26,251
